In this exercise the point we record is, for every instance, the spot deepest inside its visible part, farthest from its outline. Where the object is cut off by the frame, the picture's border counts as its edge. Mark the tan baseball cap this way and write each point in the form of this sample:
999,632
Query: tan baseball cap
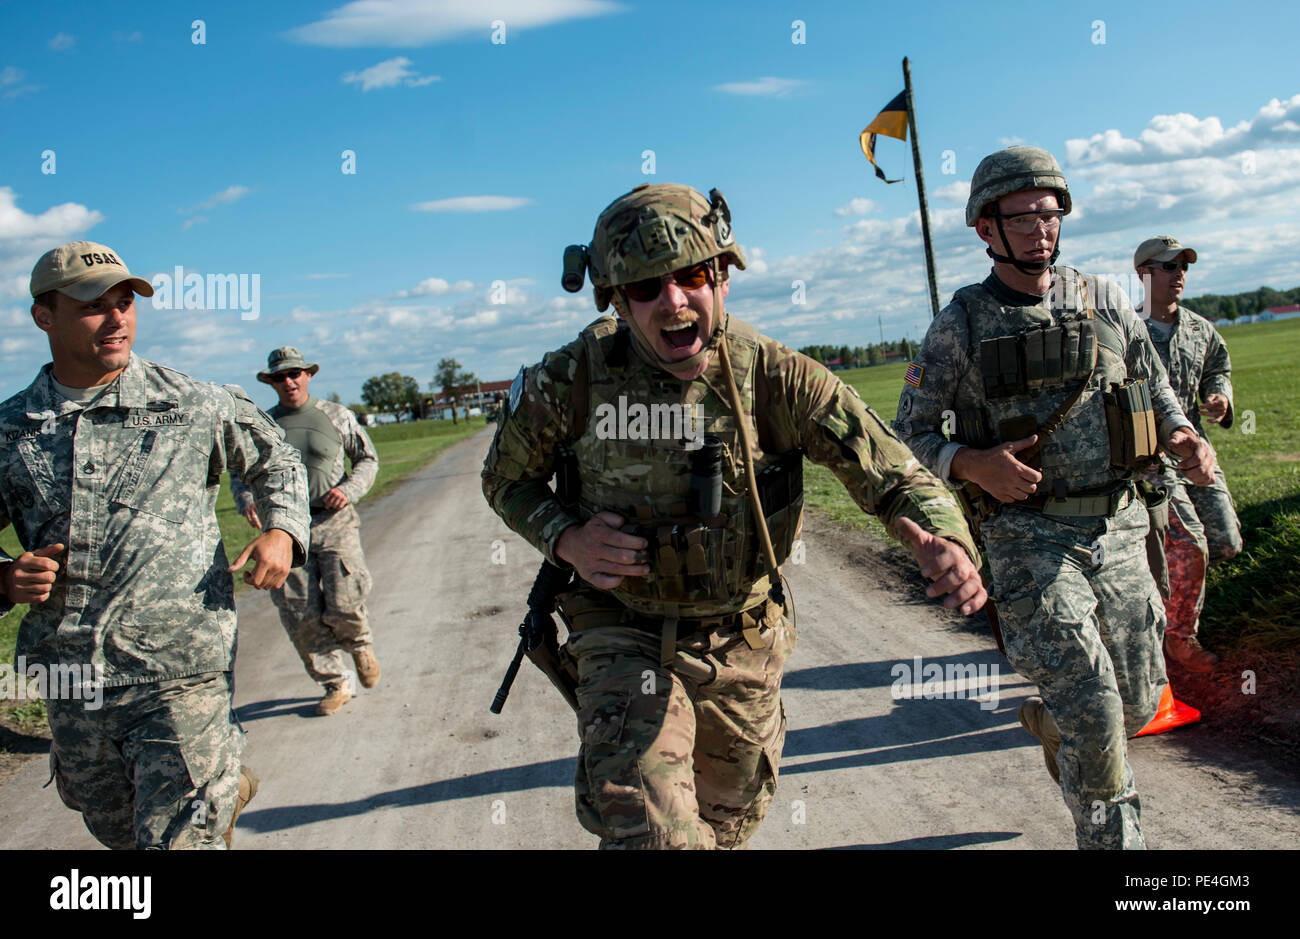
1161,248
84,270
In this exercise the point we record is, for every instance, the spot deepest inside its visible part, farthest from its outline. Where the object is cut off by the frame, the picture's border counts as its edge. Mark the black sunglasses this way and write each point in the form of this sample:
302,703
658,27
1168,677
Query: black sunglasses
1168,266
294,373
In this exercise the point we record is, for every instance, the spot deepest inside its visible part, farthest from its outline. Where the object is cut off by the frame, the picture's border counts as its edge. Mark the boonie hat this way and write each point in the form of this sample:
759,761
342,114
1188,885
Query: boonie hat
284,359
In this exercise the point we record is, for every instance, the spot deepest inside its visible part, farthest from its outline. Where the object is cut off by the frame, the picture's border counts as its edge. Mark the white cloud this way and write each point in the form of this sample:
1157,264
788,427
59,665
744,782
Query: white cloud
191,222
858,206
955,193
224,197
409,23
11,80
389,74
1180,136
62,41
119,35
1011,141
770,87
435,287
473,204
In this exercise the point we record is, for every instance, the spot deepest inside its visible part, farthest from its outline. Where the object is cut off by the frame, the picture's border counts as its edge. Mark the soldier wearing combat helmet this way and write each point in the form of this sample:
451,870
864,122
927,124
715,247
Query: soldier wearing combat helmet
1059,401
676,539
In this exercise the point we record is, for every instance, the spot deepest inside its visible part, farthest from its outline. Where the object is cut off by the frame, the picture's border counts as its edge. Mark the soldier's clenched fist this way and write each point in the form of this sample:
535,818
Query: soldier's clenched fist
600,553
29,578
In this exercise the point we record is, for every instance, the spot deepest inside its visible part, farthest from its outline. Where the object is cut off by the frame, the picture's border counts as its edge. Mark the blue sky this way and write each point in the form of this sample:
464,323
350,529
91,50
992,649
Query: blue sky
225,157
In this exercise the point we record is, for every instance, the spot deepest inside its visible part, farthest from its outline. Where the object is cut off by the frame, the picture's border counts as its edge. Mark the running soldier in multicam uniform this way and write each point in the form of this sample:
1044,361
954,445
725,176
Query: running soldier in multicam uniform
323,603
109,471
677,632
1203,525
1048,386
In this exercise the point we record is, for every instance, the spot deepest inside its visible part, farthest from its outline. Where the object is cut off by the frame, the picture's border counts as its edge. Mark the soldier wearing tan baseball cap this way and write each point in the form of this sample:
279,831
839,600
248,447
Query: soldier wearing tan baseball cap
1160,249
83,270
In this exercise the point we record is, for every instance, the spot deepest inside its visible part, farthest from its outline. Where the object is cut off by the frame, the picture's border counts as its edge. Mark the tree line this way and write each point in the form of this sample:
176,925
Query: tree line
877,353
398,394
1214,306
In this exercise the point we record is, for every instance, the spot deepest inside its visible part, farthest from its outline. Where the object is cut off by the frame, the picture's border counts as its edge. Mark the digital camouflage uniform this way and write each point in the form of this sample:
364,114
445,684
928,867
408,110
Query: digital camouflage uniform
322,604
129,484
685,754
1079,611
1203,525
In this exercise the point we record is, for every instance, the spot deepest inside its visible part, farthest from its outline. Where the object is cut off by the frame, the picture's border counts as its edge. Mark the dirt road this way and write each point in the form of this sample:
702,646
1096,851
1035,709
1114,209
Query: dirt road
419,762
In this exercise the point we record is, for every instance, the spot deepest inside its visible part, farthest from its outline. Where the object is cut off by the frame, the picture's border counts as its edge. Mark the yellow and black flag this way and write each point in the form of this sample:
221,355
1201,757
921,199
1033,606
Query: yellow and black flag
892,122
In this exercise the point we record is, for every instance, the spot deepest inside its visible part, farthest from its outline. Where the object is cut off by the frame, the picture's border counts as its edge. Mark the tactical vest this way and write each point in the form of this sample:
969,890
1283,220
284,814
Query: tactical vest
698,567
310,430
1032,360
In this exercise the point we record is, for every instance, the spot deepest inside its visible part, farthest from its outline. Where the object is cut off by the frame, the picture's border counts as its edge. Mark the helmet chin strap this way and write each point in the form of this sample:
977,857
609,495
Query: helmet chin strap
645,349
1025,267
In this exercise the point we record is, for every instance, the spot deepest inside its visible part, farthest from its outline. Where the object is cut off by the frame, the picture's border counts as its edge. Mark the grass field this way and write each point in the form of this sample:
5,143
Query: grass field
1255,597
403,449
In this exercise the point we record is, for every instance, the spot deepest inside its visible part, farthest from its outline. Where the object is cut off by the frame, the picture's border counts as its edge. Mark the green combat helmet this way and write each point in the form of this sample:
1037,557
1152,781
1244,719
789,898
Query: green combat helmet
1016,169
651,231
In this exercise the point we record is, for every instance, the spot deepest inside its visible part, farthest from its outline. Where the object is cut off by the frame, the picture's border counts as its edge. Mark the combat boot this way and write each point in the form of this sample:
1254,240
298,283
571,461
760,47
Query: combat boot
247,789
1036,719
1189,653
367,666
336,695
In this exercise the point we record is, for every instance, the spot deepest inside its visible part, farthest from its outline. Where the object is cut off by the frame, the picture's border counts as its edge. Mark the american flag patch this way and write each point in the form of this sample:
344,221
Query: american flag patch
914,373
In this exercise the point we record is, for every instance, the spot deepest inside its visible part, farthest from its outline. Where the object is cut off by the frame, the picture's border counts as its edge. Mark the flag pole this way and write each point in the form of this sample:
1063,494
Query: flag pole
920,192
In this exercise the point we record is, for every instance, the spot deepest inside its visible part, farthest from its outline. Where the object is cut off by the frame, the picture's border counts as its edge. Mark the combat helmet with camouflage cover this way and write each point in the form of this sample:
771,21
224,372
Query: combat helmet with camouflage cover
1016,169
651,231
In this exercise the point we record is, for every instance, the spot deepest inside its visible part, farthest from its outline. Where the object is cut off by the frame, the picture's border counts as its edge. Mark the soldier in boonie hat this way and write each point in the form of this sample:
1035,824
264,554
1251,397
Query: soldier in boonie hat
285,359
322,604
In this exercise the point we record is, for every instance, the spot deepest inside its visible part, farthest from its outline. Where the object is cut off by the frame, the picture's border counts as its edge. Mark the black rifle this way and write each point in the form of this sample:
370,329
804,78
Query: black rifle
538,638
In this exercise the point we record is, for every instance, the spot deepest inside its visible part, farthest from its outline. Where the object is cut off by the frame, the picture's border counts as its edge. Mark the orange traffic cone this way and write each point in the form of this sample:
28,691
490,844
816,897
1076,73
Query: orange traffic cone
1170,714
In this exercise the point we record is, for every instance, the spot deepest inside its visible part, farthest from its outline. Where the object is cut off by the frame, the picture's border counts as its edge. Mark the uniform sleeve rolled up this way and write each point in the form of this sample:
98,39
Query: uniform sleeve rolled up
255,450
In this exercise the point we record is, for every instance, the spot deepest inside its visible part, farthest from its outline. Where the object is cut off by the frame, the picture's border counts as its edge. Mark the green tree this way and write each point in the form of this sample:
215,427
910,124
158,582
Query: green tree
450,379
334,397
392,393
1230,308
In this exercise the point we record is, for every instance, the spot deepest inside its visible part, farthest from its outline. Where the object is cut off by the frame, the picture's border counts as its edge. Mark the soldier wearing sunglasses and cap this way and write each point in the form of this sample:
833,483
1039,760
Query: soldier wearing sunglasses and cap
322,604
679,624
1038,391
1203,525
109,468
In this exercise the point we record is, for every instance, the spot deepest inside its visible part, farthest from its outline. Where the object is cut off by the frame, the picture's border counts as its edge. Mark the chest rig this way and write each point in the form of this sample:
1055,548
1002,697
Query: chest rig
630,462
1034,361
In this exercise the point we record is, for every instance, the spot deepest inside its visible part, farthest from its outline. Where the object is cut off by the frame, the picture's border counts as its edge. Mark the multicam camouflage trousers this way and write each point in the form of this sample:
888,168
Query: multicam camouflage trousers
684,756
1081,618
156,767
322,604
